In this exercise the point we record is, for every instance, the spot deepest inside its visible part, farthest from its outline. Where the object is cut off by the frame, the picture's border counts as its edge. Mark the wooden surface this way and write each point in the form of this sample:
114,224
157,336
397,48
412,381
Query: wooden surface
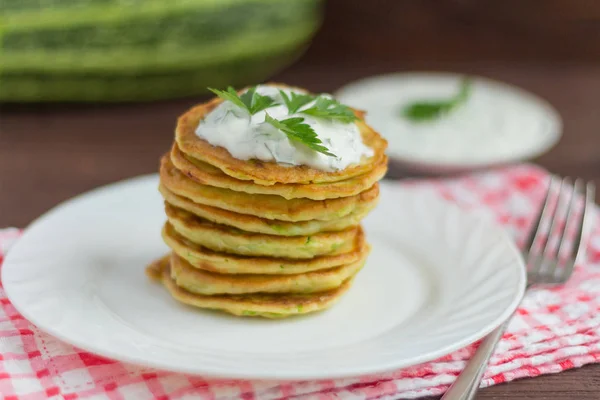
51,153
455,30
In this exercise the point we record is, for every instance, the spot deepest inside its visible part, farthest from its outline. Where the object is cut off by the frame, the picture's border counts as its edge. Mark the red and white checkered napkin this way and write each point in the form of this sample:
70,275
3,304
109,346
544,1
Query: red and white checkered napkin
552,331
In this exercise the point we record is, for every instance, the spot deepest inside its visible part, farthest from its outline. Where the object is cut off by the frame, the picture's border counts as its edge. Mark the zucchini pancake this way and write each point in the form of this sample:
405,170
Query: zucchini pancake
264,192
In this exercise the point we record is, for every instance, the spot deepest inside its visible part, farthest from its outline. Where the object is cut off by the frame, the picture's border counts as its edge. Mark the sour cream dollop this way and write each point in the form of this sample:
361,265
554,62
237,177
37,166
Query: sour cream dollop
248,136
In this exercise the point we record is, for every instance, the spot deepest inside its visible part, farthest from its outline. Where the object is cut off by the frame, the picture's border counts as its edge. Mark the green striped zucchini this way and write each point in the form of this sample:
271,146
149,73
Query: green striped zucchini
120,50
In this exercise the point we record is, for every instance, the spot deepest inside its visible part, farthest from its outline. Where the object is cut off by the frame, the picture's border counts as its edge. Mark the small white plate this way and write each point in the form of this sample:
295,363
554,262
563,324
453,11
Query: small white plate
498,124
437,279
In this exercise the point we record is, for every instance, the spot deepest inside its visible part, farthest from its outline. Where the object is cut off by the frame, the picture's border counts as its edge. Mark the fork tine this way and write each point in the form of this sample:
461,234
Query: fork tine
588,199
534,261
536,227
554,254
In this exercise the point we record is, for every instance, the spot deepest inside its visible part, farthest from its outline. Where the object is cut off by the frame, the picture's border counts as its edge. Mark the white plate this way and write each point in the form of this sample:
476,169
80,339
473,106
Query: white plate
498,124
437,279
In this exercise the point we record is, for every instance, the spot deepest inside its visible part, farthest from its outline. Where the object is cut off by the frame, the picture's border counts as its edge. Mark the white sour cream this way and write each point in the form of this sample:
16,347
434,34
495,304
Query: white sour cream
498,123
248,137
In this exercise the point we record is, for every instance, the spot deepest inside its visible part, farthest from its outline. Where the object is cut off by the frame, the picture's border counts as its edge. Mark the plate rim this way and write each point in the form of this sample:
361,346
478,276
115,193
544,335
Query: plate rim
348,372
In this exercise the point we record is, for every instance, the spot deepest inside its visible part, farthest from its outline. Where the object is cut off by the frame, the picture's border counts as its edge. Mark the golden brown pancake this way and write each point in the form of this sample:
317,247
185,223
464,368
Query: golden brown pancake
255,238
231,240
223,263
268,305
262,205
203,282
207,174
268,173
251,223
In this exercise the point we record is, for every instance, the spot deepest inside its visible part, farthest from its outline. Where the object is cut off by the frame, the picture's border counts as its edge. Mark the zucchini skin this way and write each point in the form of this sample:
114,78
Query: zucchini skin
61,50
98,87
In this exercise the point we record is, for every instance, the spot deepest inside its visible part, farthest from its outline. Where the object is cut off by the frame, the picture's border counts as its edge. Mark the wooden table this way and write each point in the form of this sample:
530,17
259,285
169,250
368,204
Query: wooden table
49,154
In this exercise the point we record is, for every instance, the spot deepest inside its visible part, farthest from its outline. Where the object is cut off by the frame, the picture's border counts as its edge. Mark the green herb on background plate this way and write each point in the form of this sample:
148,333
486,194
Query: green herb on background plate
427,110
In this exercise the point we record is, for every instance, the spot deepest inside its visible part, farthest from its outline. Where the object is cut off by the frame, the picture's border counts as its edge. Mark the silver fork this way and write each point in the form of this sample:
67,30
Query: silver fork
552,264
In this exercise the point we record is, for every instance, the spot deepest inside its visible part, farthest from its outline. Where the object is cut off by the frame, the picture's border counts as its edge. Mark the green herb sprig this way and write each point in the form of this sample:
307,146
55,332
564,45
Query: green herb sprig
331,109
429,110
298,131
250,100
324,107
295,101
295,128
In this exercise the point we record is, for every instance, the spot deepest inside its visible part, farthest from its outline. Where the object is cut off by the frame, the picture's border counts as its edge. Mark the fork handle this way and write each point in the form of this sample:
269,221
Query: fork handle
466,385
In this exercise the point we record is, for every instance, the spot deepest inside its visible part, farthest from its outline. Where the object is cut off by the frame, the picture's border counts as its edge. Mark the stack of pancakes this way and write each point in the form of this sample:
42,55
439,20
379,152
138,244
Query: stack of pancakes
258,238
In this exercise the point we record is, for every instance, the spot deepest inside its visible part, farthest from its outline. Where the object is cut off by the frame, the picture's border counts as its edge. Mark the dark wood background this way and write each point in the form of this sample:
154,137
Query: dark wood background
551,47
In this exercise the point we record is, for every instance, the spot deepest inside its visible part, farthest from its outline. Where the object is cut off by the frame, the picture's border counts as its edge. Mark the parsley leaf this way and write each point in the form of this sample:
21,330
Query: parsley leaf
296,100
247,97
230,95
260,102
250,100
331,109
256,102
428,110
297,130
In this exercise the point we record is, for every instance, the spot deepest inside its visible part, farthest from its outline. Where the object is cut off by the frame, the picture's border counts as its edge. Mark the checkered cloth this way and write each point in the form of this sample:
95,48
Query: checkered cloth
553,330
